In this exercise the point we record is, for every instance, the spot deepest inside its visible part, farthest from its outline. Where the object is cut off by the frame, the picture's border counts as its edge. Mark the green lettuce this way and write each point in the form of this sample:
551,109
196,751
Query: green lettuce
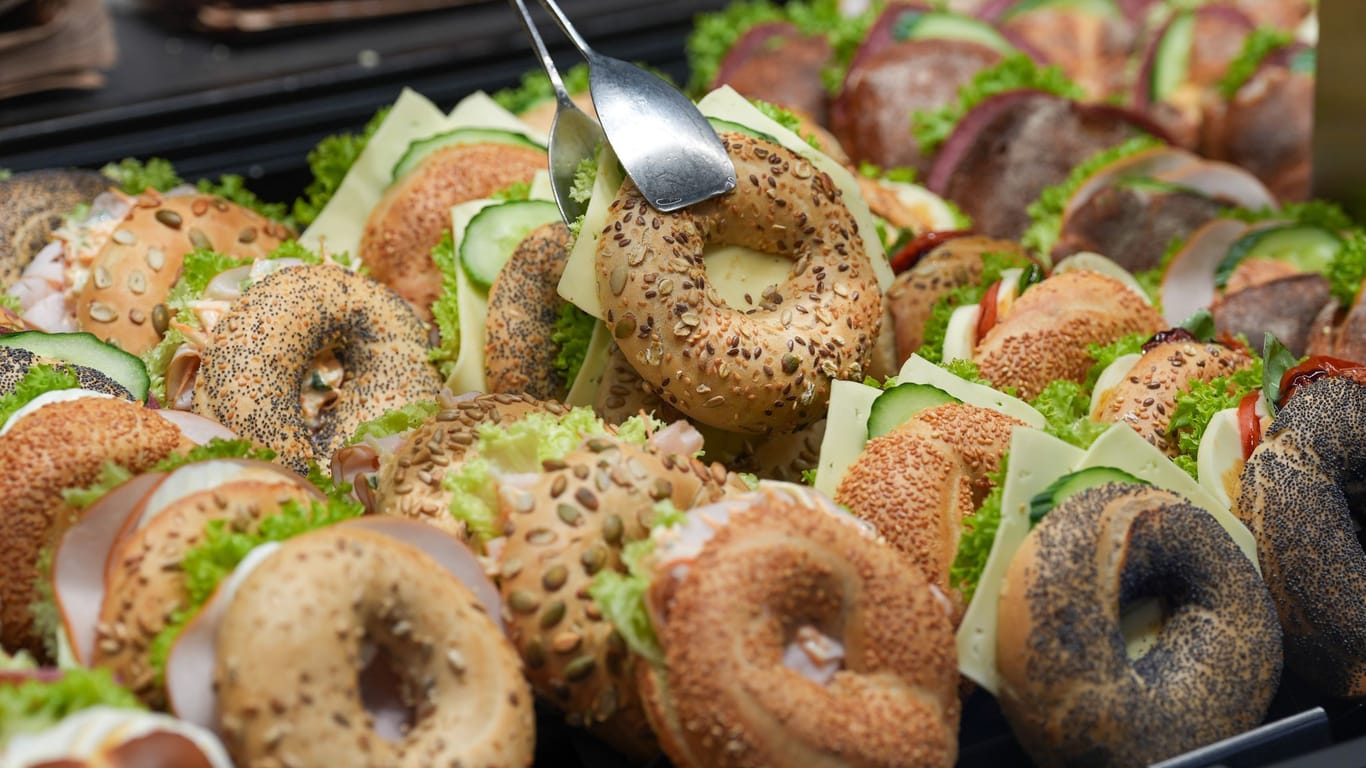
233,188
1198,403
993,264
11,302
585,175
535,88
113,475
1348,268
446,309
157,360
395,421
809,476
1105,354
35,705
1312,213
1066,408
905,175
966,370
786,119
329,162
39,379
573,331
1256,47
135,177
621,596
979,533
1046,212
1013,73
517,190
222,548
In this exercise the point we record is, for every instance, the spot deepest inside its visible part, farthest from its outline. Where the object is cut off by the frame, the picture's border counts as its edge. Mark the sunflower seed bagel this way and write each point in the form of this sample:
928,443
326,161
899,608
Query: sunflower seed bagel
1300,490
257,363
567,525
409,482
294,641
755,369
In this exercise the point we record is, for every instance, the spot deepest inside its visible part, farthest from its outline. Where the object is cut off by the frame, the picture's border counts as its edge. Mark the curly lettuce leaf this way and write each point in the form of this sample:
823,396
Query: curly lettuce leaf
979,533
1066,408
1198,403
446,308
573,331
535,88
395,421
11,302
714,34
111,476
1348,268
1013,73
47,617
1104,355
38,380
638,428
1256,47
621,595
1312,213
786,119
517,190
157,359
329,162
809,477
1045,213
35,705
993,264
585,175
222,548
135,176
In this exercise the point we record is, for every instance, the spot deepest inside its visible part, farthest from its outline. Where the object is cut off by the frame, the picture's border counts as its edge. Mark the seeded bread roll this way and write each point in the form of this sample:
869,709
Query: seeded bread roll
122,301
520,348
32,205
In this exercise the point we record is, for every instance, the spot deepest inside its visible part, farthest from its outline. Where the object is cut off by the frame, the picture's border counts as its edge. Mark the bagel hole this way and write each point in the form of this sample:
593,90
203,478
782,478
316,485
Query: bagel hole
320,386
383,693
741,276
813,652
1141,621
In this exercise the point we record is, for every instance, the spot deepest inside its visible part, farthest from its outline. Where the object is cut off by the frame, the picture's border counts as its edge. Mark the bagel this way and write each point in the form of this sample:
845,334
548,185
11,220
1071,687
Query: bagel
409,482
916,483
756,370
123,297
520,347
1146,398
15,362
263,352
410,218
622,393
59,446
294,641
952,264
568,524
1044,335
788,575
143,577
1068,687
1299,491
32,206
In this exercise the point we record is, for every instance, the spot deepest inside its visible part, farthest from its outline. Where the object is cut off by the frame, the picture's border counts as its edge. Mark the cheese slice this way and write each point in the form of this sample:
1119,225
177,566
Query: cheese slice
340,224
1036,460
846,432
468,373
921,371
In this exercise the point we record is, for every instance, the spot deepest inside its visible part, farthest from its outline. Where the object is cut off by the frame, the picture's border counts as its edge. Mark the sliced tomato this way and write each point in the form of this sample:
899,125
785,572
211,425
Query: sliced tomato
912,252
1310,371
986,319
1249,423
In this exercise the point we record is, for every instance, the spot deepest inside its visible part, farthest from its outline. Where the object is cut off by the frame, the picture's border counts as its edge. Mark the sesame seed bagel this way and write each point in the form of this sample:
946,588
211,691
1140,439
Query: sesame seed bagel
1068,687
568,524
916,483
263,350
1044,335
32,205
61,445
1146,398
143,584
409,482
759,370
122,301
416,209
779,573
520,349
295,638
1299,491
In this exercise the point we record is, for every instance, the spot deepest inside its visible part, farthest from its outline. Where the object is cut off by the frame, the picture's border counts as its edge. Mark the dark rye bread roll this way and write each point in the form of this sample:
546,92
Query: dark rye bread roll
1069,688
1299,490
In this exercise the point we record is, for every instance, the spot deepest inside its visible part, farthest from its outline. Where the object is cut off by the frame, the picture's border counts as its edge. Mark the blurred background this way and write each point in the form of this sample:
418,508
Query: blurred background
249,87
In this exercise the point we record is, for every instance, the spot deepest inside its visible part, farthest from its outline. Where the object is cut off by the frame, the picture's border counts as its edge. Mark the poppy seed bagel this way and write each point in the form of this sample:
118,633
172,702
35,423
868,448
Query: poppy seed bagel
15,362
1068,686
32,205
294,642
520,348
1300,490
59,446
263,350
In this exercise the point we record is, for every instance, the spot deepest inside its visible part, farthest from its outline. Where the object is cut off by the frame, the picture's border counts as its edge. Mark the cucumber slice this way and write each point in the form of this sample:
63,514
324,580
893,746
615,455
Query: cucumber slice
419,149
951,26
1307,247
894,407
1171,60
1068,485
495,232
87,350
726,126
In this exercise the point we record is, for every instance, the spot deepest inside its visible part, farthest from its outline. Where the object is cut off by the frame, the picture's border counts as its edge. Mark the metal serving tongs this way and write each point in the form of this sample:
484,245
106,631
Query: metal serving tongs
661,139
